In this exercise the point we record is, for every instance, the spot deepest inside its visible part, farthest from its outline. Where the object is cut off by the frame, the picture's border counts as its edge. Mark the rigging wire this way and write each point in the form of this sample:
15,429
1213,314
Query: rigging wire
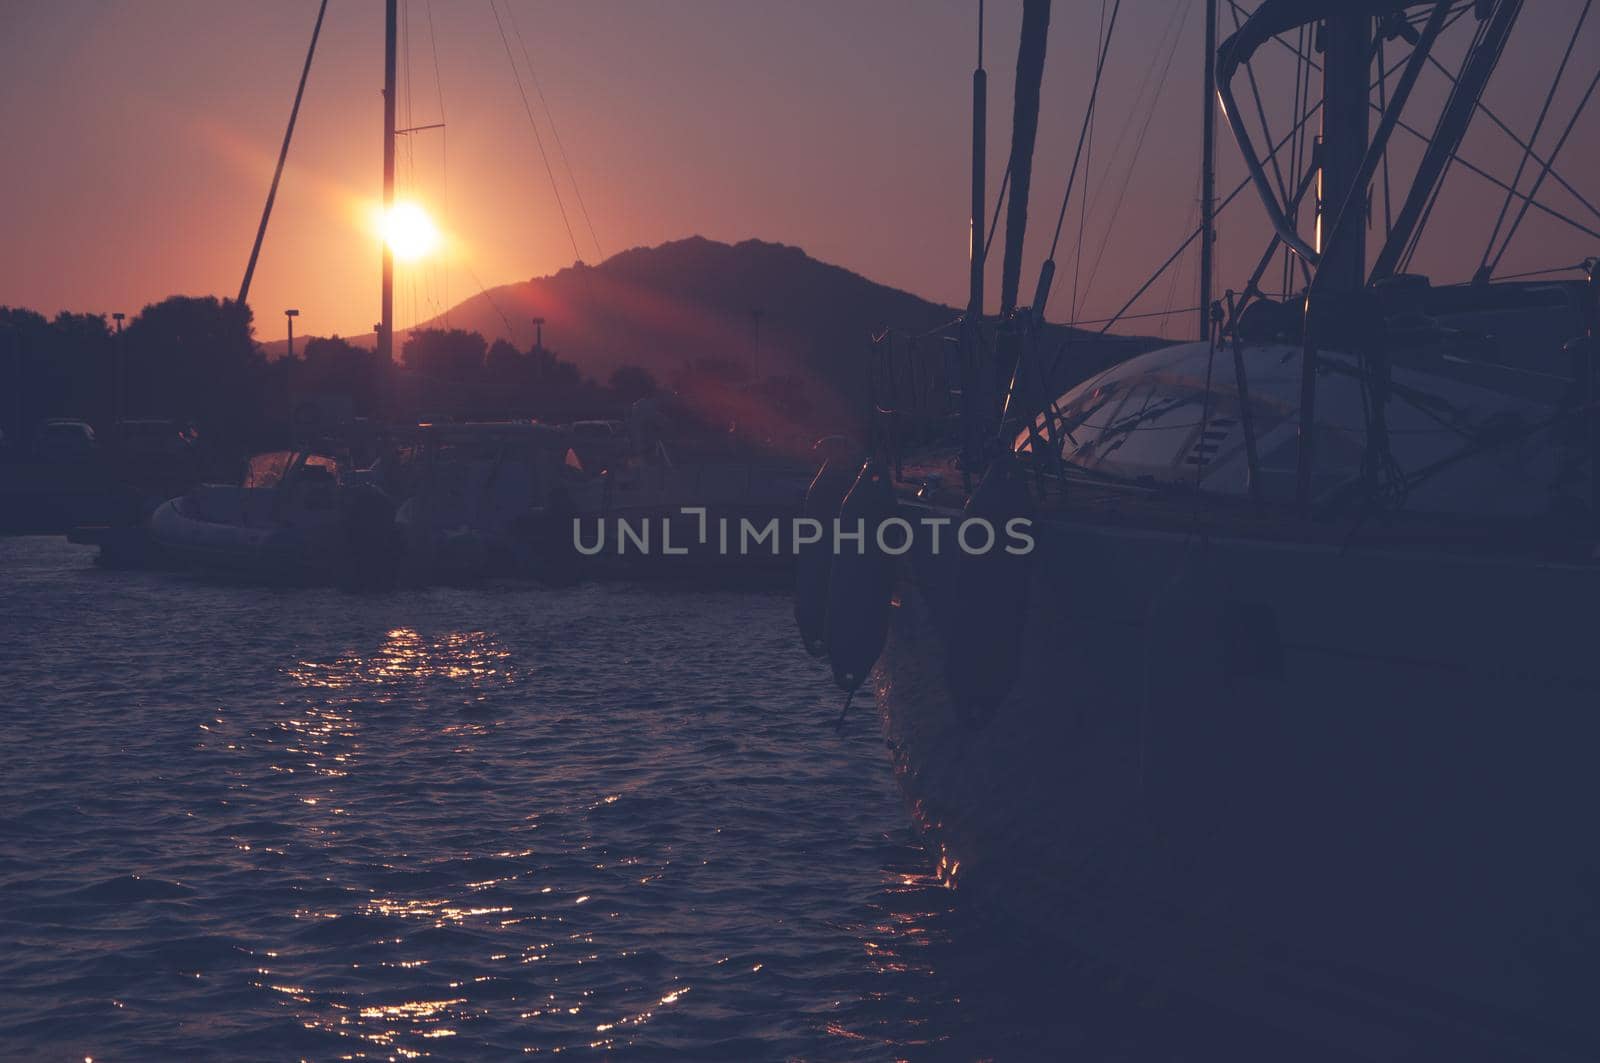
561,148
1083,201
406,97
1545,171
510,332
1177,274
1533,138
1297,161
1383,105
1528,201
1438,186
1088,118
994,222
1175,28
537,137
444,157
1523,197
1519,142
1195,234
1300,52
1261,114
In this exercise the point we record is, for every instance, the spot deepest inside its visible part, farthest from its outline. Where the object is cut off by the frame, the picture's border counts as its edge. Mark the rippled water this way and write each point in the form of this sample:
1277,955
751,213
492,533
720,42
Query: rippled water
472,823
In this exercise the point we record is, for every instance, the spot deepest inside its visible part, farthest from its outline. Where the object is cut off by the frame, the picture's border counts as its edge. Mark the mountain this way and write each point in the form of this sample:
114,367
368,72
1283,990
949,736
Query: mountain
661,307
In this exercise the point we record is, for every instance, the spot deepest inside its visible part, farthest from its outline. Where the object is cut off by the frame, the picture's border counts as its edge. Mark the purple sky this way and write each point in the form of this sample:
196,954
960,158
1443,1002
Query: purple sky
140,139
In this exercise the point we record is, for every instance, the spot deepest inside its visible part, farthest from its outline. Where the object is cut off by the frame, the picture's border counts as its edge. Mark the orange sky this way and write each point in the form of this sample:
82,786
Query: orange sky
140,140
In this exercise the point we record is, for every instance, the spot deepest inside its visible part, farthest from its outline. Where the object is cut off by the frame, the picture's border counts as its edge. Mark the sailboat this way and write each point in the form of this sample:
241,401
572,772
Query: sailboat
1293,704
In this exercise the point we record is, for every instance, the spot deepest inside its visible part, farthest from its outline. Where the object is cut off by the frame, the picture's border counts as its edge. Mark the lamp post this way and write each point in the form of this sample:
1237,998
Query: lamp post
290,315
119,375
288,369
538,334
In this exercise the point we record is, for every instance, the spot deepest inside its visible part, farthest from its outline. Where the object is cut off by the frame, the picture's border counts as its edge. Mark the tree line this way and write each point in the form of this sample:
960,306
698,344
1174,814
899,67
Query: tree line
195,360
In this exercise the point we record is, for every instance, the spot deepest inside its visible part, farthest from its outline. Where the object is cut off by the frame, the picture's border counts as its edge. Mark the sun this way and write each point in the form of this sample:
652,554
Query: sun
409,232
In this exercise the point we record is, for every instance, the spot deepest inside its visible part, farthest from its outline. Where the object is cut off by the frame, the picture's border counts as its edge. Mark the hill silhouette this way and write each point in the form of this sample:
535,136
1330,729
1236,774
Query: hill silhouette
689,300
664,307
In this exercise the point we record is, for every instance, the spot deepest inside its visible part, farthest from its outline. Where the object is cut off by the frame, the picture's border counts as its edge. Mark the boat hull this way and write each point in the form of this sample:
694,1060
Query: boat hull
1215,768
266,553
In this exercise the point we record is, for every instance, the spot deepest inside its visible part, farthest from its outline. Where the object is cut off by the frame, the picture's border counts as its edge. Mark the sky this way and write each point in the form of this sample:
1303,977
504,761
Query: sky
140,140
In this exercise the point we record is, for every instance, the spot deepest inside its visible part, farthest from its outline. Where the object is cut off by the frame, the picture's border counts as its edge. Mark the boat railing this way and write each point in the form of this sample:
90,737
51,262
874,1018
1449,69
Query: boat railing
915,389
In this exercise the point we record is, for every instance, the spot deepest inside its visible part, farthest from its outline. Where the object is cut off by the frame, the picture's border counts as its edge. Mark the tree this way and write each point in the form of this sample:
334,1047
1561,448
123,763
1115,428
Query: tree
336,366
60,368
630,383
193,356
448,354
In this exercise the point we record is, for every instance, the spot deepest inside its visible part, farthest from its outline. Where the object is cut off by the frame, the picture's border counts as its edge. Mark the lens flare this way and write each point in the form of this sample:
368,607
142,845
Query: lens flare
409,232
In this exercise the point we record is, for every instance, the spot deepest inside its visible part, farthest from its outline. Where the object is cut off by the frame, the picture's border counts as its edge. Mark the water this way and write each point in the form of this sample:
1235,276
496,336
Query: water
478,823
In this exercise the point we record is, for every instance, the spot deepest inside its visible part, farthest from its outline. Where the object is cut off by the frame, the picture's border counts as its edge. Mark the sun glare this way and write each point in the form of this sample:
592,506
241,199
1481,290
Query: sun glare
409,232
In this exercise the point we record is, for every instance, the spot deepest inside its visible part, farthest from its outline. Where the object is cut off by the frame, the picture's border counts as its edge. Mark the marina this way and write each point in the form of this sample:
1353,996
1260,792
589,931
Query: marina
708,651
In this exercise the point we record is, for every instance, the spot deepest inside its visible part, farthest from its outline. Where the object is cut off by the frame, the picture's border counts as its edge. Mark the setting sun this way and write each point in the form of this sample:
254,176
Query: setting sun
409,231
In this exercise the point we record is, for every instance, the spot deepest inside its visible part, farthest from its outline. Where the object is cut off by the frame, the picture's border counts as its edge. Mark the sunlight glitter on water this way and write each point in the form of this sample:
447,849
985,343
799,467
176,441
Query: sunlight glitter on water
477,822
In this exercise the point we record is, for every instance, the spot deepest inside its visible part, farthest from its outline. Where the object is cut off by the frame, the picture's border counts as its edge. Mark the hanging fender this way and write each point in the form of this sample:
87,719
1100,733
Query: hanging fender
860,581
814,561
991,596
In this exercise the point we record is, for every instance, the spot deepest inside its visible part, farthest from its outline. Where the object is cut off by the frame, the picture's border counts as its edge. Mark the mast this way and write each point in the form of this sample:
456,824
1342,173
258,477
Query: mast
386,324
1346,101
1208,170
283,156
1341,265
1024,130
980,107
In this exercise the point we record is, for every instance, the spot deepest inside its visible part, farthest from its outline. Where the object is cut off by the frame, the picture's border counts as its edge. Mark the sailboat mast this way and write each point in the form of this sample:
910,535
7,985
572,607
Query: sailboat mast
1208,171
980,107
386,322
1024,130
1346,103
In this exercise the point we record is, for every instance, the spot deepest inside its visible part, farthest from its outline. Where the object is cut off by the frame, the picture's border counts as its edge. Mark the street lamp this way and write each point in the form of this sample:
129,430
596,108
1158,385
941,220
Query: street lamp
119,375
290,315
538,334
288,368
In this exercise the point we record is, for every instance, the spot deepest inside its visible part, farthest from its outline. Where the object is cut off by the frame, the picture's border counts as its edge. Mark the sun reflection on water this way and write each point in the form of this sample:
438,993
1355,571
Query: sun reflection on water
408,659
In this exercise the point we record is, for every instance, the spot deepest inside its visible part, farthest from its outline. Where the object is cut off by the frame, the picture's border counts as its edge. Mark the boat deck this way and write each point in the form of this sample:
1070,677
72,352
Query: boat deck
934,478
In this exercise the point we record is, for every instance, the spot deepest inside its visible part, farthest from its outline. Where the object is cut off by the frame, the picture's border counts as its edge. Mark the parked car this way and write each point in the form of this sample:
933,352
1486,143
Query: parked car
64,439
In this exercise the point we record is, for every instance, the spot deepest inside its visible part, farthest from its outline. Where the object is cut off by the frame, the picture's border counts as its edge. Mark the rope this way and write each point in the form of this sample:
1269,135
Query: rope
537,139
838,725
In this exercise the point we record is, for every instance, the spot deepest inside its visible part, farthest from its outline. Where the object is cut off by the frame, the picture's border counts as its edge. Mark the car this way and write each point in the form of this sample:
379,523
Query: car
64,439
